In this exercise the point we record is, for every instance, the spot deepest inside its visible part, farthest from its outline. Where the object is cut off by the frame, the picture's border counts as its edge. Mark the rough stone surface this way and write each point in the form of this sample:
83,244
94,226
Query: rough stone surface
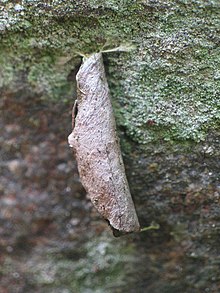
171,80
165,95
51,239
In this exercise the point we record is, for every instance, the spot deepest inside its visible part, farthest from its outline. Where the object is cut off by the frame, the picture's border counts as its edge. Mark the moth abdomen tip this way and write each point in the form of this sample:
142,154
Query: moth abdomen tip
123,231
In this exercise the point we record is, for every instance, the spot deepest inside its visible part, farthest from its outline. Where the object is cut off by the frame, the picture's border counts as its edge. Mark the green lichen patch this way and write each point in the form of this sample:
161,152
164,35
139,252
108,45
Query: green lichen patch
168,88
161,100
97,266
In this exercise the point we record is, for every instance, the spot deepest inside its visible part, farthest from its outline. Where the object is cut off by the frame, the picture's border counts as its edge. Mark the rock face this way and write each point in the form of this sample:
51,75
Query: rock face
165,95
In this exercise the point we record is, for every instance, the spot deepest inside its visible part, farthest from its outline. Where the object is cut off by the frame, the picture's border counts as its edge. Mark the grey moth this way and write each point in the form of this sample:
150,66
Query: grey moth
96,147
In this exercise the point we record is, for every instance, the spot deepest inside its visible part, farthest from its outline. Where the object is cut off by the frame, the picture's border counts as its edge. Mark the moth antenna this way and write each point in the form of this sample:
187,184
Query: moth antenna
84,56
121,48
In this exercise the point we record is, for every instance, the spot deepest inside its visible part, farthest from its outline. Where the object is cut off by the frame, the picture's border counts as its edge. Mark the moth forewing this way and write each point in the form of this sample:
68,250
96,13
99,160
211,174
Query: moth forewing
97,150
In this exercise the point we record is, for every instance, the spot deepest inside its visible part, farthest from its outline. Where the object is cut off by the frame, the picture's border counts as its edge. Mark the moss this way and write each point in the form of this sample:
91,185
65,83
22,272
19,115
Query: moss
166,89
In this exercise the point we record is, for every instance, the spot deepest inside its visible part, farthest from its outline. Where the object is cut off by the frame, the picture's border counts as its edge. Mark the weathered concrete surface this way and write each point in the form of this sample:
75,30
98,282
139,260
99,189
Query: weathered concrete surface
166,100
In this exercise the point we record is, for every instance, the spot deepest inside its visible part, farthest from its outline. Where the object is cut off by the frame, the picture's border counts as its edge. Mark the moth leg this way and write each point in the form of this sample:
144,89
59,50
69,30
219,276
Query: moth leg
74,113
80,90
71,137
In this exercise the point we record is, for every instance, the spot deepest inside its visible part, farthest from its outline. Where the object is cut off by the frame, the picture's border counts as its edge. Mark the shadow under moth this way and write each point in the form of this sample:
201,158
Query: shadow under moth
96,147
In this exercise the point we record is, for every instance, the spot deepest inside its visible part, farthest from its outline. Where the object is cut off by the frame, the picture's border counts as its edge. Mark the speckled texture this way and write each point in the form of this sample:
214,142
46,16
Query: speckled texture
165,95
178,188
168,87
51,239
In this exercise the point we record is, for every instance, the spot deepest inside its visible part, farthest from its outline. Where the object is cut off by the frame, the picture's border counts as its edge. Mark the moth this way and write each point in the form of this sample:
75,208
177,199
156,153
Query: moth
96,147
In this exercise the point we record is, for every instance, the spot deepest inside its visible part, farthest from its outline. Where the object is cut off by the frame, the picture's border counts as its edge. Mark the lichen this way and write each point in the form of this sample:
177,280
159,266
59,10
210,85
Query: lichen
96,267
168,88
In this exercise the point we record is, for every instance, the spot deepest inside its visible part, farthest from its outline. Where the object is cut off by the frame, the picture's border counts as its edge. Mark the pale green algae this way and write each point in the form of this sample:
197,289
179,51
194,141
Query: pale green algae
168,88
